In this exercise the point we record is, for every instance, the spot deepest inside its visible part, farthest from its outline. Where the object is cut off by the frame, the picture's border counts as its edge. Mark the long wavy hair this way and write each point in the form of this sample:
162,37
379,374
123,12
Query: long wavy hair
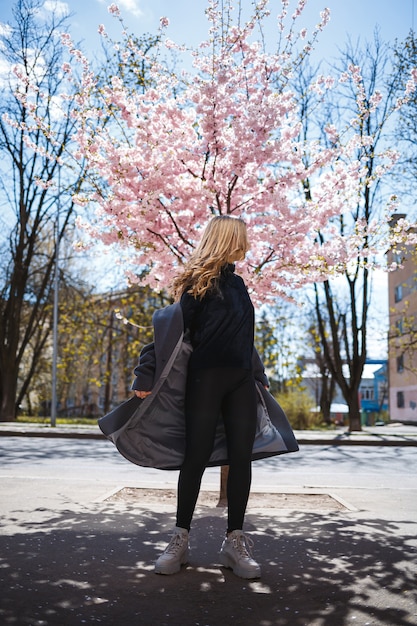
224,240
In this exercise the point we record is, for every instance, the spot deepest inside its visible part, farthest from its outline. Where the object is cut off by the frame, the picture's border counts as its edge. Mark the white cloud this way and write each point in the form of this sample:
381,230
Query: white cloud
5,30
128,6
131,6
4,73
59,8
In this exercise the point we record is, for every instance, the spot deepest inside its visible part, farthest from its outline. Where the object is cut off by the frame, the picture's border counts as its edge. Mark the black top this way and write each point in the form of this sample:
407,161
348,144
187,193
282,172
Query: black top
221,324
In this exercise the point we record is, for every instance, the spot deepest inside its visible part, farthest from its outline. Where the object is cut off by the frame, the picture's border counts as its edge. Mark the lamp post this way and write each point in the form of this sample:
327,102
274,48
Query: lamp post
55,311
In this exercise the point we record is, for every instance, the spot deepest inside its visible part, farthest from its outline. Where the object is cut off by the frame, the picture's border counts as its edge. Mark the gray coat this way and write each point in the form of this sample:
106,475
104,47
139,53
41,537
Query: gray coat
151,432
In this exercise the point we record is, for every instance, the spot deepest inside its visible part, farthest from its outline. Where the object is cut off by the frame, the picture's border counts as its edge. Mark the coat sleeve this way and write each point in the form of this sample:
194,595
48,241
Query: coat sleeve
258,369
145,370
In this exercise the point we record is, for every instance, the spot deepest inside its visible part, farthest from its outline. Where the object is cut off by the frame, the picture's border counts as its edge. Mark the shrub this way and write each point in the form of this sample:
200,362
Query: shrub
298,407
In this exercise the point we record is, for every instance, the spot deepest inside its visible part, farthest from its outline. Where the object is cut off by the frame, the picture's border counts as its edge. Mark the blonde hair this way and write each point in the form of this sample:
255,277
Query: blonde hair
224,240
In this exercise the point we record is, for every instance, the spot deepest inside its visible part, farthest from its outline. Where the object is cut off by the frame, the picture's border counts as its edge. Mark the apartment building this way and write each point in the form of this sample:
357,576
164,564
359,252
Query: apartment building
402,339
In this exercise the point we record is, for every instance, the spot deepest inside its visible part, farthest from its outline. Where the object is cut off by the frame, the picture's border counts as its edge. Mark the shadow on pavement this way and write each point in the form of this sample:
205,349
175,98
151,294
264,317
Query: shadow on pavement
96,566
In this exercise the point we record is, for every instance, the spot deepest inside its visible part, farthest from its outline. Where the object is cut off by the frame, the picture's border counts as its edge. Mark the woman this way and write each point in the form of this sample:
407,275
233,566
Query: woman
219,317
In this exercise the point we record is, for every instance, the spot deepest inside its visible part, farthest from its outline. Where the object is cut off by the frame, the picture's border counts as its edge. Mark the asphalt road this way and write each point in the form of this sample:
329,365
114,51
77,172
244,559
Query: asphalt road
357,474
360,467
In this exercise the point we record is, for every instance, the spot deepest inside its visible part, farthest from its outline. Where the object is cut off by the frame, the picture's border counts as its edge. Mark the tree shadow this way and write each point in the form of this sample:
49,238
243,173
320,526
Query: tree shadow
56,448
96,566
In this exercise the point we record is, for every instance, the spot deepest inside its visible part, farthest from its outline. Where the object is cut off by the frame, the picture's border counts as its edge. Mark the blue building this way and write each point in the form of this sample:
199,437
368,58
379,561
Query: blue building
374,390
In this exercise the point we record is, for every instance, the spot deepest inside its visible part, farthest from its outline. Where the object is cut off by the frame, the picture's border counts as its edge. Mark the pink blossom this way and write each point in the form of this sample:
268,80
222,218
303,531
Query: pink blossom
375,100
325,17
66,39
222,139
114,10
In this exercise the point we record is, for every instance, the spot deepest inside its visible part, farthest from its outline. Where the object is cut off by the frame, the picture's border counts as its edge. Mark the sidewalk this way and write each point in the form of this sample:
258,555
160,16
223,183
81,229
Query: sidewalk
389,435
94,565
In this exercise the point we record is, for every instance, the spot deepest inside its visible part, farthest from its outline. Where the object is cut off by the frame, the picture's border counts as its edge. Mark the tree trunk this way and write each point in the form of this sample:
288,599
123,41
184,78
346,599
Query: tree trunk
224,474
8,391
354,412
340,333
326,396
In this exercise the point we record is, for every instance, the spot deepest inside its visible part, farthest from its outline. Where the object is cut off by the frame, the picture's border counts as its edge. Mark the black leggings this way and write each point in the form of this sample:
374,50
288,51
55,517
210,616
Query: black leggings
231,392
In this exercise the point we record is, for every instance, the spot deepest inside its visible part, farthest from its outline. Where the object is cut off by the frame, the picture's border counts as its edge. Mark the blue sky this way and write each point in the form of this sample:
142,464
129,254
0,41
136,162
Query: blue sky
188,25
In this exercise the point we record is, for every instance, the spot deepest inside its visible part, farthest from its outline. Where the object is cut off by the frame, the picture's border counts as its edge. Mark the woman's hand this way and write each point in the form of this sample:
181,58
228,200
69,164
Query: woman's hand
142,394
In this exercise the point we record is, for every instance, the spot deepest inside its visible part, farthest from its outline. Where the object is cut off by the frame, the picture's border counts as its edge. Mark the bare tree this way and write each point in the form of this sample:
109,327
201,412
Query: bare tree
36,213
405,132
38,181
342,306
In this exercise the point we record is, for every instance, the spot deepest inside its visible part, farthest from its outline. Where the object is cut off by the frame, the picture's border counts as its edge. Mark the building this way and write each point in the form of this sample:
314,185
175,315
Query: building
99,345
373,391
402,339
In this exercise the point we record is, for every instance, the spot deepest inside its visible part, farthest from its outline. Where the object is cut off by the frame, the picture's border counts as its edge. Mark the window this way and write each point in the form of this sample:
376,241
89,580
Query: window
400,399
400,363
398,293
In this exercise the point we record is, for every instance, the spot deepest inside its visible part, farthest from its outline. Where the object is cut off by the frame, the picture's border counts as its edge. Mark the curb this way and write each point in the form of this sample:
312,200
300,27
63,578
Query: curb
317,440
52,433
400,441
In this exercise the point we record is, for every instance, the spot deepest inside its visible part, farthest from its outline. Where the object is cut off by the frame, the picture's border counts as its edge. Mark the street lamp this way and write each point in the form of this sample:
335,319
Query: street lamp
55,310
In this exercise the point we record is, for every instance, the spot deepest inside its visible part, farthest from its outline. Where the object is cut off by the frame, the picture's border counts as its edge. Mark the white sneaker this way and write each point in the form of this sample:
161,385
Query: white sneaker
175,554
235,554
